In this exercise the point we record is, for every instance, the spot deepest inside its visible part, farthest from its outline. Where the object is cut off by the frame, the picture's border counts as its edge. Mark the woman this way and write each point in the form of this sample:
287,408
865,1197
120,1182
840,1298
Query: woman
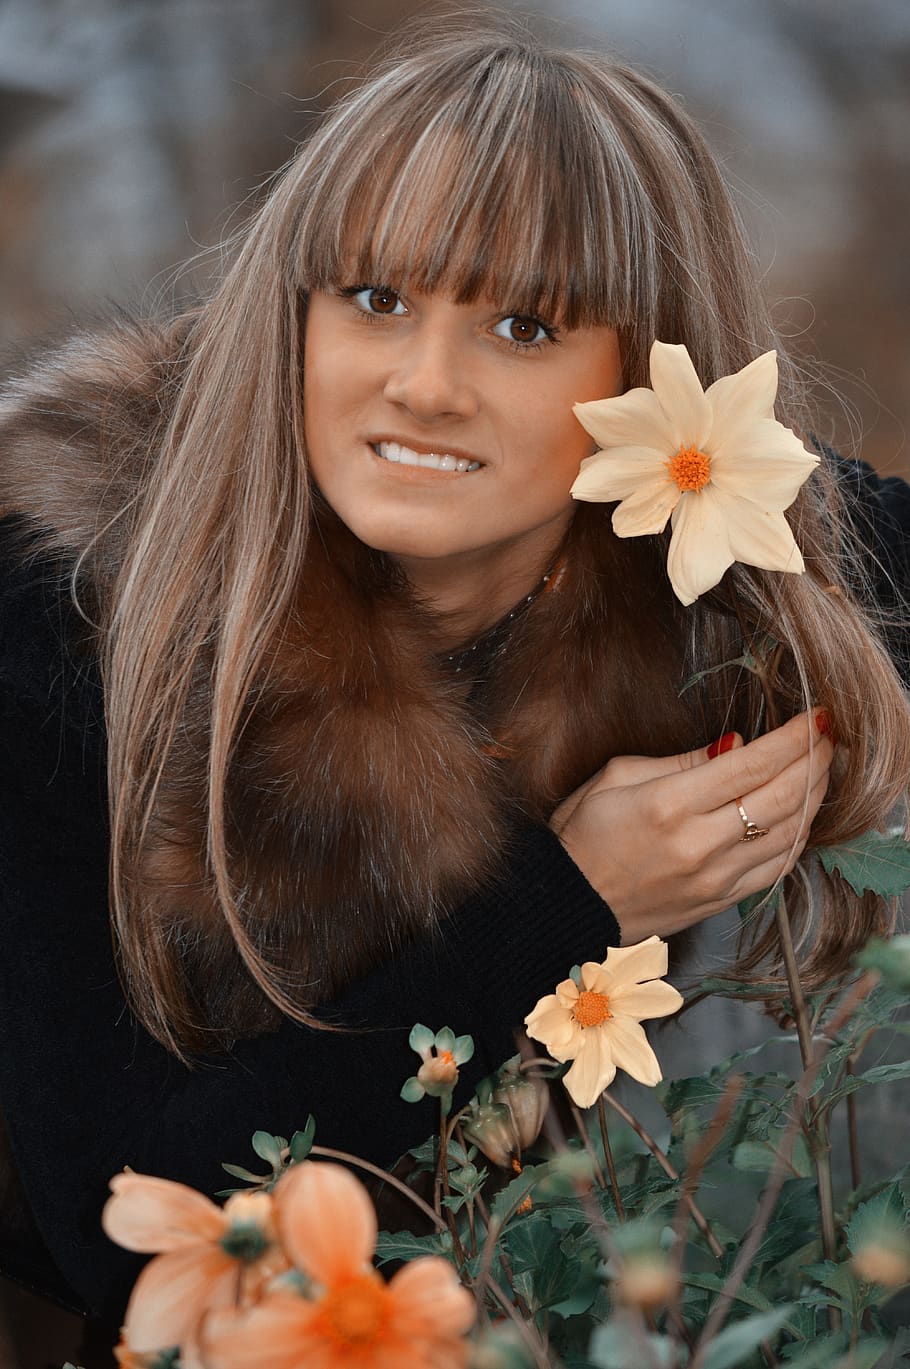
395,731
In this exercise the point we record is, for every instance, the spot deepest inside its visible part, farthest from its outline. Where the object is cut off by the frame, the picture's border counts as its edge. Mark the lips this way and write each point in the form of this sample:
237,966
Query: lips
398,454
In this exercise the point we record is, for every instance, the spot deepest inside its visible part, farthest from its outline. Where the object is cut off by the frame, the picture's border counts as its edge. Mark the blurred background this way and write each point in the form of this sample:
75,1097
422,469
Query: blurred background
134,133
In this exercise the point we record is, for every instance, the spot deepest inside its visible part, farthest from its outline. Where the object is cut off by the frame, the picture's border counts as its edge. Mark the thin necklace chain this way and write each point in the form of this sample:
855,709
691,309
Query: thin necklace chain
490,642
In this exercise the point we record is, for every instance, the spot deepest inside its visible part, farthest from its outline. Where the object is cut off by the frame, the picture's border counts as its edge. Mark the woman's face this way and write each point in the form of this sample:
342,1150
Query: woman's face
443,433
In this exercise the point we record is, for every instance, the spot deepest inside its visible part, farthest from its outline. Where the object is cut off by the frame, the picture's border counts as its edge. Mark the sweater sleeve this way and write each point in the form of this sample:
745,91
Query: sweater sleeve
85,1091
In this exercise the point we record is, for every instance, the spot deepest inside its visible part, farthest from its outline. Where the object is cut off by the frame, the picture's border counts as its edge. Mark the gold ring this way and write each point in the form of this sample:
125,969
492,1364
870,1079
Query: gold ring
752,832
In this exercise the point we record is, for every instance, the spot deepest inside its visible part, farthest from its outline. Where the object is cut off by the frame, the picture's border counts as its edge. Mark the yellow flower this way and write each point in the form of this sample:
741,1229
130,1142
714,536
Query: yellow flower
715,461
598,1024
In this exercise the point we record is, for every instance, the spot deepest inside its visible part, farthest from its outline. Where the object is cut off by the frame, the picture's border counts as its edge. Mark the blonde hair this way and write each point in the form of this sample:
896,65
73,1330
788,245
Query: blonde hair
562,185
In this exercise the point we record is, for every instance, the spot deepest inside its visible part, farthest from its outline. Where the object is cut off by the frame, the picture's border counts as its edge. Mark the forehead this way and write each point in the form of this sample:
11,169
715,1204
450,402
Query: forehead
473,207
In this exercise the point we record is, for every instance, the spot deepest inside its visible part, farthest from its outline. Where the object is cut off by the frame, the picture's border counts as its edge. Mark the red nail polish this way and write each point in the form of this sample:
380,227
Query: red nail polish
823,721
724,743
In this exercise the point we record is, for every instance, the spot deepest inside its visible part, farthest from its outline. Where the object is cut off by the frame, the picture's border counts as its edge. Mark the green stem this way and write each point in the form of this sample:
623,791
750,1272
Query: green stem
384,1175
608,1156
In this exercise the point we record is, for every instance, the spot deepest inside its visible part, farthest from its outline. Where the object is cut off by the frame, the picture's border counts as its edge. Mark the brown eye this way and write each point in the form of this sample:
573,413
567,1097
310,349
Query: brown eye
382,301
522,329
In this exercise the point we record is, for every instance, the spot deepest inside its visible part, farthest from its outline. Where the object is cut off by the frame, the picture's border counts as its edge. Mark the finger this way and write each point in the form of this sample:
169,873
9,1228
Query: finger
745,769
757,863
788,795
627,770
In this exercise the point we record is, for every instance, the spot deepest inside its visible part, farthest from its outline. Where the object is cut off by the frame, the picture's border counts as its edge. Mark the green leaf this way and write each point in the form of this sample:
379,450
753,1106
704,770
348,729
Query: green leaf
267,1147
871,861
730,1346
759,1157
746,1293
302,1141
747,906
821,1354
619,1345
891,957
881,1216
404,1245
879,1074
238,1172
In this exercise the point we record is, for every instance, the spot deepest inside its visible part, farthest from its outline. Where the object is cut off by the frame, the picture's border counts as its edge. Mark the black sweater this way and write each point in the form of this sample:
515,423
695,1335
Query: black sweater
84,1090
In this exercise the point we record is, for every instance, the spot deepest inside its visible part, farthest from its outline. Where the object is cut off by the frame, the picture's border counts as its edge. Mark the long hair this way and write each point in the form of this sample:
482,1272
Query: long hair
566,186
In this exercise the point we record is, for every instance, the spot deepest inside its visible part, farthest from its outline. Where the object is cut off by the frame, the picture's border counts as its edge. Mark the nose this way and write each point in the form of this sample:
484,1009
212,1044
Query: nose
429,377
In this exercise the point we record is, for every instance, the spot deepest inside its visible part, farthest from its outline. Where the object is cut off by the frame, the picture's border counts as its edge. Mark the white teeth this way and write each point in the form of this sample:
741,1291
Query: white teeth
404,456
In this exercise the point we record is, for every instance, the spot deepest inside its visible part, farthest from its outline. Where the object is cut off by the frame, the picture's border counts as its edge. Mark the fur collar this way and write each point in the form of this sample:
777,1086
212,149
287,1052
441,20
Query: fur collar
368,794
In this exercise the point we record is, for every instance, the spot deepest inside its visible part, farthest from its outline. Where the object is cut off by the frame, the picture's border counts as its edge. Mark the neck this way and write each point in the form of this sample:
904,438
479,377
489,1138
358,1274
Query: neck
472,597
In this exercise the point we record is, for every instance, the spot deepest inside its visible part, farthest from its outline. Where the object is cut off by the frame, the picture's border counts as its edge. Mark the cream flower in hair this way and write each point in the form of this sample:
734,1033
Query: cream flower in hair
715,461
597,1023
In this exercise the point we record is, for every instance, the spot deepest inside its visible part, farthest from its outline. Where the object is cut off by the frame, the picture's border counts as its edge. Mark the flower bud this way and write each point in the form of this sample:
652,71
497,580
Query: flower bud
648,1281
885,1261
527,1098
438,1074
490,1127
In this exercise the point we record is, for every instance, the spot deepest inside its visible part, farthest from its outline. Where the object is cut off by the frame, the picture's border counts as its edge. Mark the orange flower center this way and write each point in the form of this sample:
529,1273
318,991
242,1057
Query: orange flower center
690,468
591,1008
356,1312
446,1057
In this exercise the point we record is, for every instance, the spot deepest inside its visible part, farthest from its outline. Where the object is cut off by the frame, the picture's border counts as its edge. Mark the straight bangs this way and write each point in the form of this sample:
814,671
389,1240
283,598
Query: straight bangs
498,177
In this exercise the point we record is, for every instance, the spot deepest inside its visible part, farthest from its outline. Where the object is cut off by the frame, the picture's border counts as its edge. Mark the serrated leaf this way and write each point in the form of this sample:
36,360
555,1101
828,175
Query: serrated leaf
836,1278
731,1346
404,1245
879,1217
746,1293
871,861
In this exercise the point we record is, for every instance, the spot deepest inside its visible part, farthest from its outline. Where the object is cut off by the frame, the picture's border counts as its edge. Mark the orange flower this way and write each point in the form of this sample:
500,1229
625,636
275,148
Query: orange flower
416,1321
208,1257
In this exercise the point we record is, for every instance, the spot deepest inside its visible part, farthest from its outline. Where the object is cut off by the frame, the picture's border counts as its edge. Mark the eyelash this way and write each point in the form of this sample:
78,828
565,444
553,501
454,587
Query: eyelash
551,333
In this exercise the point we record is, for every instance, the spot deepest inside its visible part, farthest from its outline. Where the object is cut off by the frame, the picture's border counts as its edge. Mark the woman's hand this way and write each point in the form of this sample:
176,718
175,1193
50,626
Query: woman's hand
660,839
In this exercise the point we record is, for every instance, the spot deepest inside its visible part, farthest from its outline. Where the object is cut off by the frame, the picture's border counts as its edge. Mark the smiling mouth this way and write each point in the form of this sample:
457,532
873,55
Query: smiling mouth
431,461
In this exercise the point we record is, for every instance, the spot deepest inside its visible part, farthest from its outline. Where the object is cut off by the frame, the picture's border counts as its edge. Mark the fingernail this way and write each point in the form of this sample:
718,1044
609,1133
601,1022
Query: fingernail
823,721
724,743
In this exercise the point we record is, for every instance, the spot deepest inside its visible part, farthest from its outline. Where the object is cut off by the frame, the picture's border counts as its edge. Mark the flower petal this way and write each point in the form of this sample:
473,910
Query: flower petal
634,419
762,538
743,398
276,1334
699,548
618,472
632,1051
680,395
172,1293
765,462
152,1215
554,1024
430,1301
594,1067
656,999
634,964
647,510
327,1221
